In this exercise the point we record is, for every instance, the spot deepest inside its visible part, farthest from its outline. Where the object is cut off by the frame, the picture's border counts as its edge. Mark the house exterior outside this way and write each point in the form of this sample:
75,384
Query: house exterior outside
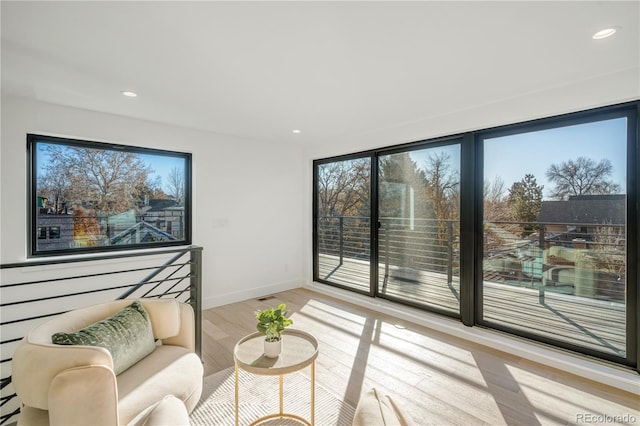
162,220
583,213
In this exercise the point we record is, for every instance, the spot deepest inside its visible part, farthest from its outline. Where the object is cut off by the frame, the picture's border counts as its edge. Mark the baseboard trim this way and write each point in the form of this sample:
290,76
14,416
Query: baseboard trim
239,296
601,372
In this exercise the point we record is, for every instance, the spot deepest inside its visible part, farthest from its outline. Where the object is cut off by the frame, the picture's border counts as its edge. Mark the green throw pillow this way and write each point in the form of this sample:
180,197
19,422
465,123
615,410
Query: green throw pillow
127,335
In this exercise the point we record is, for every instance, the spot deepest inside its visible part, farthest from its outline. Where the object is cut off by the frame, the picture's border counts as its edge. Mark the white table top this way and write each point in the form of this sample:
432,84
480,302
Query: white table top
299,349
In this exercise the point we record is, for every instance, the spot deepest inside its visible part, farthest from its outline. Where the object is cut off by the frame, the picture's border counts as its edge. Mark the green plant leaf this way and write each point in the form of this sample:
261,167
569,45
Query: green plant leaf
272,322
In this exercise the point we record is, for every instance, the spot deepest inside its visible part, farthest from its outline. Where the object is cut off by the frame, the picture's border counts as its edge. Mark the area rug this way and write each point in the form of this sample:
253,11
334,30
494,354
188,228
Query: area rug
259,397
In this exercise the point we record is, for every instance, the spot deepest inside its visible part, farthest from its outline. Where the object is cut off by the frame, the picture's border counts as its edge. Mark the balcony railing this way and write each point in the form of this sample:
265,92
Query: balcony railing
581,259
566,282
35,291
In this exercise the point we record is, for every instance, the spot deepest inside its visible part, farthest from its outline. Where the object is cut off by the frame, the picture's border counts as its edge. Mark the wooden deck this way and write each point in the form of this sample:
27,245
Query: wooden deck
591,323
439,379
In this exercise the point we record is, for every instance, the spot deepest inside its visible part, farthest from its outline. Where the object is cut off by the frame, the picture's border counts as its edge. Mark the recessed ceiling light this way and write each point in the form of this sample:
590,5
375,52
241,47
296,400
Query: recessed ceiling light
607,32
296,131
129,93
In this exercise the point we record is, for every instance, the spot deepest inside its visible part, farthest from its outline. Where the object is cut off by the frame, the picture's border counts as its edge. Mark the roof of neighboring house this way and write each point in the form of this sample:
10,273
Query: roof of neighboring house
160,204
600,209
144,228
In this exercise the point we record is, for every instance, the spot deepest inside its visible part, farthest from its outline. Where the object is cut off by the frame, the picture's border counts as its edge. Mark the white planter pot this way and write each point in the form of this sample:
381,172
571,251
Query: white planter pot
272,349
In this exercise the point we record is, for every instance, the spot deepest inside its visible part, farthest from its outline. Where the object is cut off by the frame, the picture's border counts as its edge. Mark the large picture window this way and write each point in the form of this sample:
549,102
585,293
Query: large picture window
89,196
555,233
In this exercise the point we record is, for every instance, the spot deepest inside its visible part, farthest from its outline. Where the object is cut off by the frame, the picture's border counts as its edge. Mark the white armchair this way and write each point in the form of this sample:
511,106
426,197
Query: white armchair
77,385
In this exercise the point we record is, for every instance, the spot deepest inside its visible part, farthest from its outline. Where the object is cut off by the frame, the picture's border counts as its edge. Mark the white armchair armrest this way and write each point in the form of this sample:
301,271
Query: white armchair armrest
84,393
38,364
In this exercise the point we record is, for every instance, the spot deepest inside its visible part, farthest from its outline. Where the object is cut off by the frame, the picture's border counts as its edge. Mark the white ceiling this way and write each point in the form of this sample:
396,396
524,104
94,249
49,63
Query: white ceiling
331,69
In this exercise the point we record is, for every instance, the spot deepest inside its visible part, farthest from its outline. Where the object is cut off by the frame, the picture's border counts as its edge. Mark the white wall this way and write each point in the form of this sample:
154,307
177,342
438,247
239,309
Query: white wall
246,195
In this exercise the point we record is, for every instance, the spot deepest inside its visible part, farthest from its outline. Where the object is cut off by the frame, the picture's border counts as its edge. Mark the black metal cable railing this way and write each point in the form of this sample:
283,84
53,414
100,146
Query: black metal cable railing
55,286
542,255
426,244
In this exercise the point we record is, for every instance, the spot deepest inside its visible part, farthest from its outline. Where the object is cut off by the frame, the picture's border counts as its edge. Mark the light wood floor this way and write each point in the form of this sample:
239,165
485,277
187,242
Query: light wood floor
441,380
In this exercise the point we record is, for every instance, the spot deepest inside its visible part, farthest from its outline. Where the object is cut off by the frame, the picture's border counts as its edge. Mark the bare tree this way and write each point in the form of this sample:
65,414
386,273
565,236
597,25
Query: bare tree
343,205
55,185
104,180
442,186
343,188
495,200
581,177
443,189
608,244
175,184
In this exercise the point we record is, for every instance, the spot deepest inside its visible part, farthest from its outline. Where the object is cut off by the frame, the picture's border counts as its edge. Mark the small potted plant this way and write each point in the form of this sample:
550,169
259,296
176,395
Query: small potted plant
272,323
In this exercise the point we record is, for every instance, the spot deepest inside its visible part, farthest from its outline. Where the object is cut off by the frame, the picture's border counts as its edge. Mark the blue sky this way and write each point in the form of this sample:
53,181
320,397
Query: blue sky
511,157
421,157
162,167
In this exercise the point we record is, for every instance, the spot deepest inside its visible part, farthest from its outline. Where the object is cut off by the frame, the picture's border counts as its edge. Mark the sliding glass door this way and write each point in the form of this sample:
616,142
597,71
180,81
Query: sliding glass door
343,223
419,227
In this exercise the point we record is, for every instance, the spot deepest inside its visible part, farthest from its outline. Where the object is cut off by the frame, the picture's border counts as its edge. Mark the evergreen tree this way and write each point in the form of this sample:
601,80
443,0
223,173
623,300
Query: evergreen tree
403,188
525,200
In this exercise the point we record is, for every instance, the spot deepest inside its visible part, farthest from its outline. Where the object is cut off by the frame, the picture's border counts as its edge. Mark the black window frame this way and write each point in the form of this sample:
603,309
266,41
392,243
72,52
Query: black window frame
32,208
471,218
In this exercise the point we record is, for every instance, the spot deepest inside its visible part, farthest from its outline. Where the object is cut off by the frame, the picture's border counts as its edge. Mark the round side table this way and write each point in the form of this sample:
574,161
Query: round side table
299,350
